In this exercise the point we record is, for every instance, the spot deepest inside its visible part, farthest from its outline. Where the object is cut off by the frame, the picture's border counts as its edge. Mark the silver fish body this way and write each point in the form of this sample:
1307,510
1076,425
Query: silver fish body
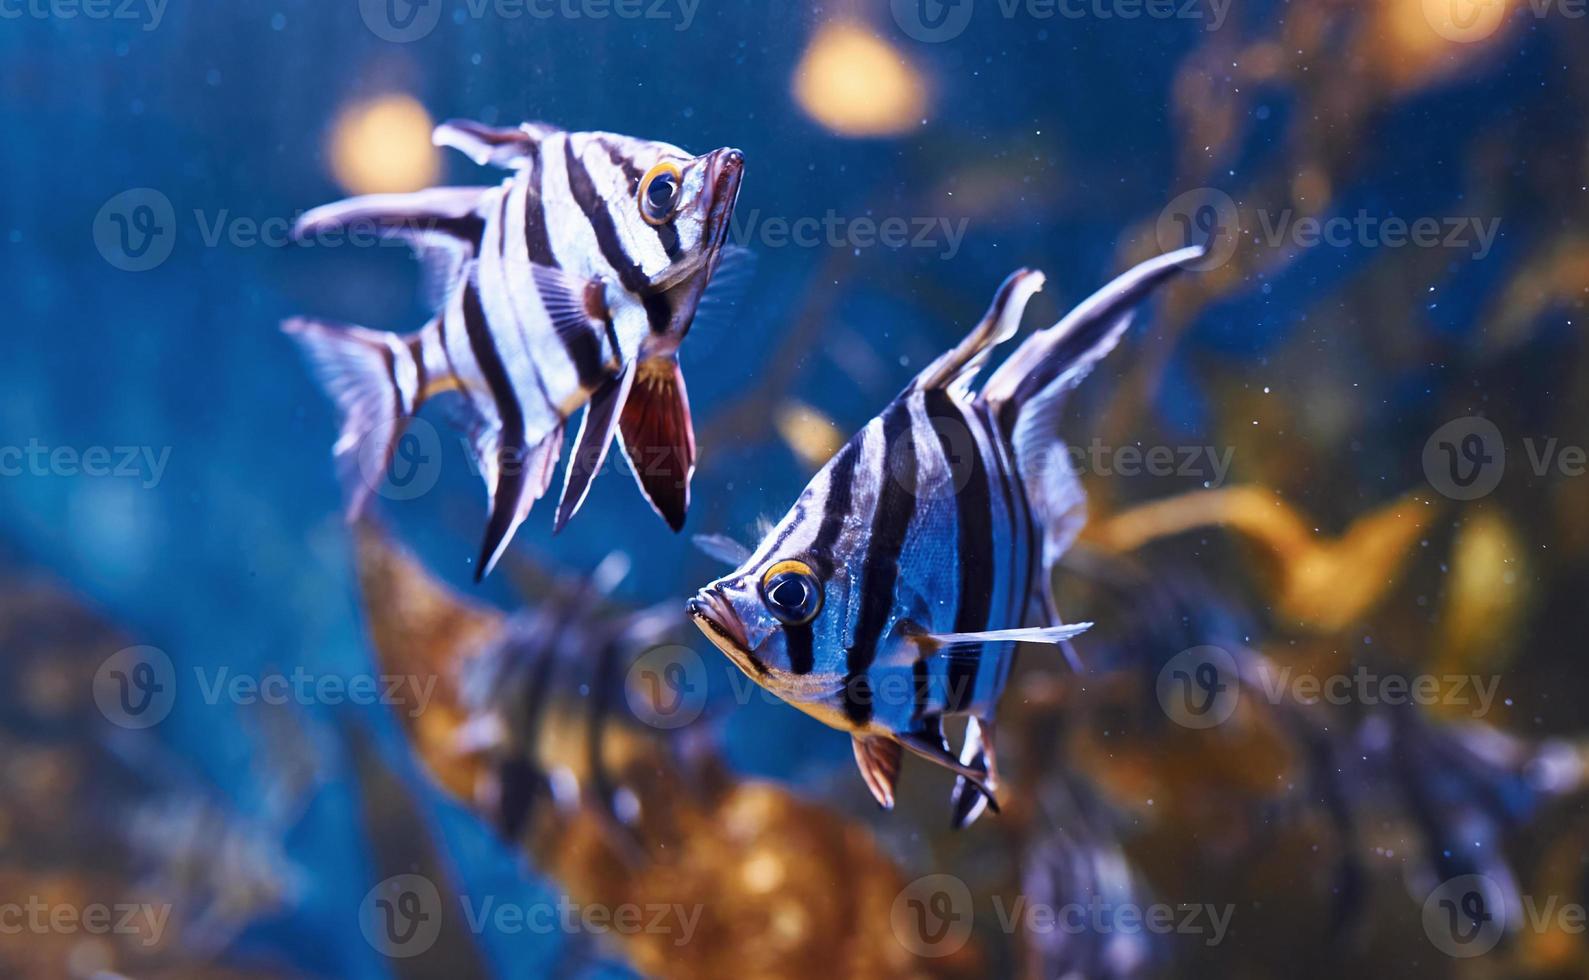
571,284
894,593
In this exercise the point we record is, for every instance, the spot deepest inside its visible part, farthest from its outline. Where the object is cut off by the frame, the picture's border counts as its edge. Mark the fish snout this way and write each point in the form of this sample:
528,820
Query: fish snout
715,615
726,173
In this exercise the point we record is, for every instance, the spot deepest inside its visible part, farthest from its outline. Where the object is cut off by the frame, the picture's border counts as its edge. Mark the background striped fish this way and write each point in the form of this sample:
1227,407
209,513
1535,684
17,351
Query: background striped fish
570,284
894,593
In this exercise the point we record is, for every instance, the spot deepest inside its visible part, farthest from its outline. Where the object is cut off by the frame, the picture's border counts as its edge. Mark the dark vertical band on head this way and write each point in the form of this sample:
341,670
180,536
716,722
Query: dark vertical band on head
835,508
667,234
595,209
802,648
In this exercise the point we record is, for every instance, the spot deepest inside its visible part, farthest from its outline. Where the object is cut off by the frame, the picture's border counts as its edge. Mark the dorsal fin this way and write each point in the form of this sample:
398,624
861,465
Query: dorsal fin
507,147
957,368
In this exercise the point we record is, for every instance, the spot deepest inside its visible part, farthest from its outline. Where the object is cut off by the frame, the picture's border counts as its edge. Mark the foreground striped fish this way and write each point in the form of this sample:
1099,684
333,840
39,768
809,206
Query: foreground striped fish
896,590
571,283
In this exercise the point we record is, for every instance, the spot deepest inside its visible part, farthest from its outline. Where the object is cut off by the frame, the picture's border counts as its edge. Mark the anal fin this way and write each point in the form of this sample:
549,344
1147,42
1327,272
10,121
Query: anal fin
519,482
932,748
968,800
659,438
878,759
590,447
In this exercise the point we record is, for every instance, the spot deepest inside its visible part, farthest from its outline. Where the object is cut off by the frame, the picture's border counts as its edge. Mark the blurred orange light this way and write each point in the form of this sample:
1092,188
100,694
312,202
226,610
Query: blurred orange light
857,84
382,146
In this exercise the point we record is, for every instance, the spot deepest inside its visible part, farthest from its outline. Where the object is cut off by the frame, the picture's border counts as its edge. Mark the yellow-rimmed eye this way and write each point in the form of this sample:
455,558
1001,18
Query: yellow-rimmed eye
792,592
659,192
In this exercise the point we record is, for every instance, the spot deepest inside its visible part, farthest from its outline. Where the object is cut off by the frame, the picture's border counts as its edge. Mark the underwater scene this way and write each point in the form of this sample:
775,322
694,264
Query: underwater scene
874,488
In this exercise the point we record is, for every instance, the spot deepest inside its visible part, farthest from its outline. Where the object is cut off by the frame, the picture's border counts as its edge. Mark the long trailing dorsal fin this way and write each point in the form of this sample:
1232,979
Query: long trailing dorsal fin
508,147
956,368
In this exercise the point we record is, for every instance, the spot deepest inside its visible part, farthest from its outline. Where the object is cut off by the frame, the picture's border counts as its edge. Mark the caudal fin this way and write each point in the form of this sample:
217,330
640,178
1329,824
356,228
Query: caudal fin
374,378
1027,392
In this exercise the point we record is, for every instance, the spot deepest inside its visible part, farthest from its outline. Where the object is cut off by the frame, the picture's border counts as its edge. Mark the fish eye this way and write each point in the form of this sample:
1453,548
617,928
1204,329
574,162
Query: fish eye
659,192
792,593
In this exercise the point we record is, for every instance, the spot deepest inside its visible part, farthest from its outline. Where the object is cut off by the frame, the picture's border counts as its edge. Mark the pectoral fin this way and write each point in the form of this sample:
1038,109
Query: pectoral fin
658,437
878,759
723,548
590,447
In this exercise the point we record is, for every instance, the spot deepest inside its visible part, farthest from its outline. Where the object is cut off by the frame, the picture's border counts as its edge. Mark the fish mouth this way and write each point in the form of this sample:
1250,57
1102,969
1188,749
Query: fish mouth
727,171
715,616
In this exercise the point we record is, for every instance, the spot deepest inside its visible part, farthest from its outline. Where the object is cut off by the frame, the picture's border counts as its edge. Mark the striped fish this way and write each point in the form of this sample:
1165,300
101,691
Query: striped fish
895,591
571,284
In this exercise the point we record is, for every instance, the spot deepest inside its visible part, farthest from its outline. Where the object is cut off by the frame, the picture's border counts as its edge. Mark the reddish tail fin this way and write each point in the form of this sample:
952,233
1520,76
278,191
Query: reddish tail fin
376,380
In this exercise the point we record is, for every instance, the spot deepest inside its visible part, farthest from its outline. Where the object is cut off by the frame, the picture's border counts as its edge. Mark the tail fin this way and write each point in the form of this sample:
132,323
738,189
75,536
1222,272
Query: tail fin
1028,390
375,378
